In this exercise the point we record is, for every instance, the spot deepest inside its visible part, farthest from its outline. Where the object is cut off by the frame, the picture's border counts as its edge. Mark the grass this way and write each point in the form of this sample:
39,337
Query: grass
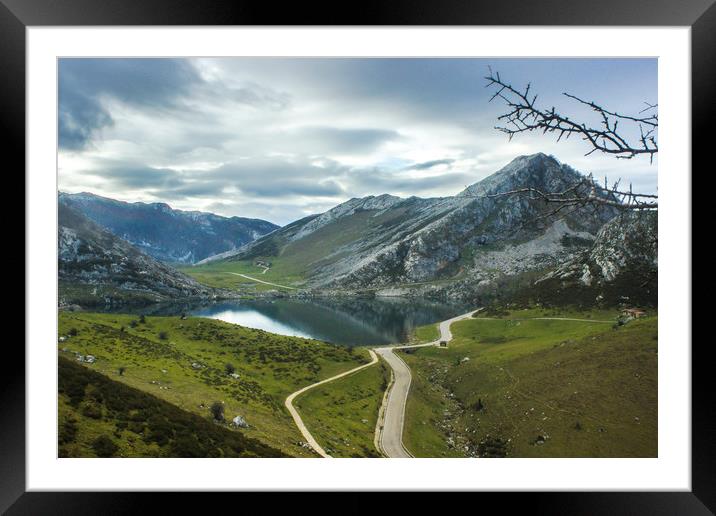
342,414
218,275
100,417
426,333
183,361
537,388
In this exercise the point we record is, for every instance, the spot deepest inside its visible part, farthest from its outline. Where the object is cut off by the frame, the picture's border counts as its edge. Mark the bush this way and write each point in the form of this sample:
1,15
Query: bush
133,323
229,368
92,410
68,431
121,371
104,446
163,335
142,319
73,332
217,411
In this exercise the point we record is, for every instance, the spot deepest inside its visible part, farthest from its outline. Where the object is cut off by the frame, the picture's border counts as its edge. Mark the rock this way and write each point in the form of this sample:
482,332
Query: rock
239,422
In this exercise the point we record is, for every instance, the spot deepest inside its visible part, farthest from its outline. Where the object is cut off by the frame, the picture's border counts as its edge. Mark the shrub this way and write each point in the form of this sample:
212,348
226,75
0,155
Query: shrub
92,410
142,319
121,371
104,446
133,323
229,368
217,411
492,447
73,332
68,431
163,335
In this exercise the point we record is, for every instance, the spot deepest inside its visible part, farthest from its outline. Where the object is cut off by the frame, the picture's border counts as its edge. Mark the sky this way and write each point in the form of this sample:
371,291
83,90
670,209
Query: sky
282,138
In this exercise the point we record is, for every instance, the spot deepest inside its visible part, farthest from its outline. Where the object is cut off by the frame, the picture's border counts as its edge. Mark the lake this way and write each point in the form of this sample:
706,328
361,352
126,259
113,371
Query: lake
352,321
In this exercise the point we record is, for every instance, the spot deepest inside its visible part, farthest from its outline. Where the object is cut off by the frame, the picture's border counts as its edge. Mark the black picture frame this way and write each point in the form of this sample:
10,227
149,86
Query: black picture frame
700,15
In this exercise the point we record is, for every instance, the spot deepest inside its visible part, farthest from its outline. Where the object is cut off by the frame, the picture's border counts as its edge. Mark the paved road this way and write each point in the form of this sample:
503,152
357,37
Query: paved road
390,427
261,281
297,418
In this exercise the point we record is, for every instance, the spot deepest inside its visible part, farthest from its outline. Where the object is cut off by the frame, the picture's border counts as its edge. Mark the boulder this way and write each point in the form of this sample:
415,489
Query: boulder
239,422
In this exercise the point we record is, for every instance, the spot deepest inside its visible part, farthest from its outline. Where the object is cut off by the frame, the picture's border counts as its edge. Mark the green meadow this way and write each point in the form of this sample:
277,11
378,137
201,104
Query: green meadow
194,362
342,414
512,384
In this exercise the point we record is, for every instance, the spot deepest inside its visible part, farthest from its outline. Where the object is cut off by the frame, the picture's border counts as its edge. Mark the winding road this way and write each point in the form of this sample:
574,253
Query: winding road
390,428
297,417
391,420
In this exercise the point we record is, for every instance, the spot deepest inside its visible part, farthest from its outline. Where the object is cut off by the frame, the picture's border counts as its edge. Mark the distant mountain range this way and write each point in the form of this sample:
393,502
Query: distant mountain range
97,268
384,241
169,235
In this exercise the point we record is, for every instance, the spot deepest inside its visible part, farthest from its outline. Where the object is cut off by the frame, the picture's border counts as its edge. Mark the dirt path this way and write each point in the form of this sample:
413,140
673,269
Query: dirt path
296,416
261,281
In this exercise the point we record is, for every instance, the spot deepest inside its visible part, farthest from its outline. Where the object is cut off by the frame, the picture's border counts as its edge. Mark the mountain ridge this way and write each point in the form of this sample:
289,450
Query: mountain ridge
165,233
380,241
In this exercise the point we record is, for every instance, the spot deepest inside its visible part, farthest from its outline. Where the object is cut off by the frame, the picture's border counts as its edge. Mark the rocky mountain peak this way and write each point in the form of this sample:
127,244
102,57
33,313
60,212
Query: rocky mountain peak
535,170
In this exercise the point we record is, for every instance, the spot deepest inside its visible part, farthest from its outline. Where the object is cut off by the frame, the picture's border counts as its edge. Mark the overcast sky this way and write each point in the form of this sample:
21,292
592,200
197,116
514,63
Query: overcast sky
278,138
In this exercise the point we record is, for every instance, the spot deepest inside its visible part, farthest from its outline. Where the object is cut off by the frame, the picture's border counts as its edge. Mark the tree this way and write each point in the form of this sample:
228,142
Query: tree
524,115
217,411
104,446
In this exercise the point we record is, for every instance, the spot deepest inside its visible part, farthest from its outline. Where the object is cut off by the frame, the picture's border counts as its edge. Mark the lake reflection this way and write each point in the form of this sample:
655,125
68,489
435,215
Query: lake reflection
341,321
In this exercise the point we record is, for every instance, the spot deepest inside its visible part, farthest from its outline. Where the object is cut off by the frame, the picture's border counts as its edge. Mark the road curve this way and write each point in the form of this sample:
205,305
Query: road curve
390,428
261,281
297,418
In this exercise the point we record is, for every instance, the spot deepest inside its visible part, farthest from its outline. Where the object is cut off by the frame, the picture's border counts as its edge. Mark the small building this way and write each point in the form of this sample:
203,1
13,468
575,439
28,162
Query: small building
634,313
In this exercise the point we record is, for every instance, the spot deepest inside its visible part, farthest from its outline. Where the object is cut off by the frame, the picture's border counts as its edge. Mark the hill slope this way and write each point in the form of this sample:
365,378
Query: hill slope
99,417
166,234
382,241
98,268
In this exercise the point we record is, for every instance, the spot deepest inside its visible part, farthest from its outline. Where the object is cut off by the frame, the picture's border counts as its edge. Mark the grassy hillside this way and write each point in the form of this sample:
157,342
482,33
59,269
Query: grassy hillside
512,385
99,417
342,414
184,361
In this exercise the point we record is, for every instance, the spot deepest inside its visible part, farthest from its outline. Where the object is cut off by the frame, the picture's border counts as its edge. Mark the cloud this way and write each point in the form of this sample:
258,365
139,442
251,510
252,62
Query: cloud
159,85
429,164
340,140
280,138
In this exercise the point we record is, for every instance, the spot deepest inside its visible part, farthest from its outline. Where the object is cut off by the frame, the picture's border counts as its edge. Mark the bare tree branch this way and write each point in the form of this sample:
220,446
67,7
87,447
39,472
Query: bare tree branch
525,116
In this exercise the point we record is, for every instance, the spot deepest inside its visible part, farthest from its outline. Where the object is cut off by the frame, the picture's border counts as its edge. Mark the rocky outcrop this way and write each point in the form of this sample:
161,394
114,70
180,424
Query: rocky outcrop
621,265
97,268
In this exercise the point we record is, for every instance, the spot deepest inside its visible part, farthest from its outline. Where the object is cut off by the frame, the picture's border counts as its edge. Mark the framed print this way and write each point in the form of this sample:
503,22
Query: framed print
424,242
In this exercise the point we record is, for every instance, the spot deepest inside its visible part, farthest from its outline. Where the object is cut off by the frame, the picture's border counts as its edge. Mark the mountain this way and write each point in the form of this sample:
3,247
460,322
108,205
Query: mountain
97,268
384,241
620,266
166,234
